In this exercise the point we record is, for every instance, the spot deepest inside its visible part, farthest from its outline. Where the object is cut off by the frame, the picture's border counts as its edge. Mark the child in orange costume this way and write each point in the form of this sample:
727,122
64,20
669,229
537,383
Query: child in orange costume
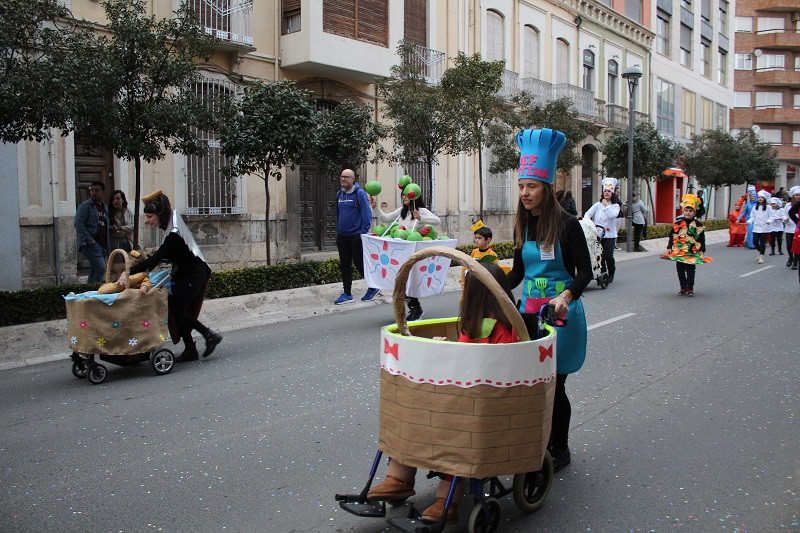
737,229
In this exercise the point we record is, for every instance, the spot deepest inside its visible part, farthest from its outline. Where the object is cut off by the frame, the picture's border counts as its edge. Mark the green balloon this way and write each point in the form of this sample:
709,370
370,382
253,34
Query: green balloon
427,239
379,230
443,238
373,188
414,236
400,234
403,182
413,191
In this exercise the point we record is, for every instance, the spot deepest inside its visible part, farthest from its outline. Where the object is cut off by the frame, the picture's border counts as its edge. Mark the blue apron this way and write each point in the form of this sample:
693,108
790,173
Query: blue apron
539,287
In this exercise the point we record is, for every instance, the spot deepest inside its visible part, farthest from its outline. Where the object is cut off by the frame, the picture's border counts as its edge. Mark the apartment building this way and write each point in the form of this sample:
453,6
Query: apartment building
692,64
767,80
335,49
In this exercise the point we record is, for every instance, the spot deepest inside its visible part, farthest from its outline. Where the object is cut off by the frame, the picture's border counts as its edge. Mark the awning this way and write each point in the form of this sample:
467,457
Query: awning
676,172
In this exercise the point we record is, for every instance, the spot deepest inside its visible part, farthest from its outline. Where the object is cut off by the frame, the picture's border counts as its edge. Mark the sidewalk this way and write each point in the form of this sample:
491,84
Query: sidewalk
41,342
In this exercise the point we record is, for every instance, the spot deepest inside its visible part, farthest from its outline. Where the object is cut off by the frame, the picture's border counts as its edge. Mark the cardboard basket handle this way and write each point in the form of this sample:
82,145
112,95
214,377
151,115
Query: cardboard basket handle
126,260
478,270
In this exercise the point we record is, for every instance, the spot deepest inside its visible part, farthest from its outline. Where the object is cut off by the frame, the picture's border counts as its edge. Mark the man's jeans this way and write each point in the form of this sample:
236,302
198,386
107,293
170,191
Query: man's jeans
96,255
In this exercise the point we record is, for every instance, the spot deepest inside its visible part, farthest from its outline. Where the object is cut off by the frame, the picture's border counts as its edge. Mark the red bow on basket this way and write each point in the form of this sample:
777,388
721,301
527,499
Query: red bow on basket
544,353
392,349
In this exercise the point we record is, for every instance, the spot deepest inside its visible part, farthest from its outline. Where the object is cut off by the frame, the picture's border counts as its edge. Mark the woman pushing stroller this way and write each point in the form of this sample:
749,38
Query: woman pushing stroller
190,274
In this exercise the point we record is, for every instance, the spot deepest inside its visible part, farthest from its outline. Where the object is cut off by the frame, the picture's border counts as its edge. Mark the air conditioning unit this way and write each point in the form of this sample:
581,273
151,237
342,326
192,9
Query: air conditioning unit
795,16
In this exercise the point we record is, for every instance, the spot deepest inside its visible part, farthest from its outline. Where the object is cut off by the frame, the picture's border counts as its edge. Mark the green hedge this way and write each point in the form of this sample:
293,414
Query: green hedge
47,303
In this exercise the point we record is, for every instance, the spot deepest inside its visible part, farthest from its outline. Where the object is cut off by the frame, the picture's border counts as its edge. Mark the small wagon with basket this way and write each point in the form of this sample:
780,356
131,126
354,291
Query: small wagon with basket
476,411
124,328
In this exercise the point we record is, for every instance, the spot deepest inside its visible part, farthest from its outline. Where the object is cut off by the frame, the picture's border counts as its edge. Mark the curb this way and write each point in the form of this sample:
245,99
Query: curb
43,342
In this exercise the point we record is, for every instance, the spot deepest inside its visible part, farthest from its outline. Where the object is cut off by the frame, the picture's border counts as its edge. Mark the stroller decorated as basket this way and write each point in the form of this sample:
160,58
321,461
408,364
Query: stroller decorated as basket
594,235
477,411
124,328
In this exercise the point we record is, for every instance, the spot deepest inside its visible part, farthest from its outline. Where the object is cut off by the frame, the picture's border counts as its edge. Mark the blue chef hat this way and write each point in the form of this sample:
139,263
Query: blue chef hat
539,151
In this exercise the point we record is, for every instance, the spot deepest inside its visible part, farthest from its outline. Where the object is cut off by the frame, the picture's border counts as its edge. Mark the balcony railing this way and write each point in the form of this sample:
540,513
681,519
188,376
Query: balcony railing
227,20
431,63
616,115
778,77
582,99
510,84
540,91
778,39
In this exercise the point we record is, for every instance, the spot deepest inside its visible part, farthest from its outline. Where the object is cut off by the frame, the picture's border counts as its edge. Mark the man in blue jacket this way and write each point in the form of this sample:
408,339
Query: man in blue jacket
92,226
353,218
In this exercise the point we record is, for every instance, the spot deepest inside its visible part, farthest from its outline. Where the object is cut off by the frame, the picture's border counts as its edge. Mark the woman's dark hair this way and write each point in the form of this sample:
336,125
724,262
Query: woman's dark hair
759,204
549,226
478,302
614,198
161,207
112,209
419,203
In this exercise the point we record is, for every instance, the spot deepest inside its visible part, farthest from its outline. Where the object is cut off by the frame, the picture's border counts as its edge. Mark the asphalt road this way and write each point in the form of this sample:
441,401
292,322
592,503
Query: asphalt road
685,417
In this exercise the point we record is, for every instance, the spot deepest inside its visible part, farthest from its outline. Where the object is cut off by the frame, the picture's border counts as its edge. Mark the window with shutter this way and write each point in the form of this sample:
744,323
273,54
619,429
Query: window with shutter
562,61
530,52
291,16
415,25
495,36
363,20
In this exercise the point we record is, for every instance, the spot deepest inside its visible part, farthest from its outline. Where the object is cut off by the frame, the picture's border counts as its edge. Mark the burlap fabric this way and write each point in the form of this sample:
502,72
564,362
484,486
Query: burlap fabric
133,324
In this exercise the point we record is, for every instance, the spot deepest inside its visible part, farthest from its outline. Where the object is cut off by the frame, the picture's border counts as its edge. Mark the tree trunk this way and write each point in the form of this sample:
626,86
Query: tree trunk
266,222
137,161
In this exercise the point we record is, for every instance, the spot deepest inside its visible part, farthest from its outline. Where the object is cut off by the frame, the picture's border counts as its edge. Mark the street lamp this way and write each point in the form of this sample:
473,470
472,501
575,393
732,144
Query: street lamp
632,74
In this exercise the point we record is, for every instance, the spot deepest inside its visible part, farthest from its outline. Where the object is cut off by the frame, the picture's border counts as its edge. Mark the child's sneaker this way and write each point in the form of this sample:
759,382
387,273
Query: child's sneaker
689,292
343,299
681,292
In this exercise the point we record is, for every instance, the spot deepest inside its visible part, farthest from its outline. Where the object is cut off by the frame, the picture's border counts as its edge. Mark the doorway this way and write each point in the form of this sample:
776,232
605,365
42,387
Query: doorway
317,209
91,164
589,155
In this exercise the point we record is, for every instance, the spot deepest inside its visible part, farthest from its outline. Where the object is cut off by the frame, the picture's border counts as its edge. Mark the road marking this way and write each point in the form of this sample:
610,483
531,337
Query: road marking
609,321
762,269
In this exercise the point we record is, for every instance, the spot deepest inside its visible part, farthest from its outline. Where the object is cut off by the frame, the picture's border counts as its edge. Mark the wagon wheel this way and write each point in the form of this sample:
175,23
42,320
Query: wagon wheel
97,374
78,366
485,517
531,489
475,268
162,361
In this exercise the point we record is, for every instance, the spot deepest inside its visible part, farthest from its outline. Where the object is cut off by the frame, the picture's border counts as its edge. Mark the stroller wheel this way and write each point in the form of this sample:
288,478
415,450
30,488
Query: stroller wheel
78,370
162,361
97,374
531,489
485,517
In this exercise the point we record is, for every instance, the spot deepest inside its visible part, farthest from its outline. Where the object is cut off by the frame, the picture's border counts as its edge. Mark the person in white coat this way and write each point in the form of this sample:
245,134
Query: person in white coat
776,225
412,214
761,219
604,214
789,227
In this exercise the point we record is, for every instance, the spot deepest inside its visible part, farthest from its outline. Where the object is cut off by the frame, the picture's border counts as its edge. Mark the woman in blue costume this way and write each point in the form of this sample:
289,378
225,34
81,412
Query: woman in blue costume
552,261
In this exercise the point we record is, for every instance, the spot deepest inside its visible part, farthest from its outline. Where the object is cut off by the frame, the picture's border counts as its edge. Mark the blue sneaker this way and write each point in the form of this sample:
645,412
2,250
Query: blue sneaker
343,299
370,294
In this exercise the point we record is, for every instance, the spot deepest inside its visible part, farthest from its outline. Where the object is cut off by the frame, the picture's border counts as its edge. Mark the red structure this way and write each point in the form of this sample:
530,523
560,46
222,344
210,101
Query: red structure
668,194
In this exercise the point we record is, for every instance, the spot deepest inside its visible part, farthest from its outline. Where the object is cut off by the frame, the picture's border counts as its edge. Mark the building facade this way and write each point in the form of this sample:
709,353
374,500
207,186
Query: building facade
335,49
692,86
767,80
